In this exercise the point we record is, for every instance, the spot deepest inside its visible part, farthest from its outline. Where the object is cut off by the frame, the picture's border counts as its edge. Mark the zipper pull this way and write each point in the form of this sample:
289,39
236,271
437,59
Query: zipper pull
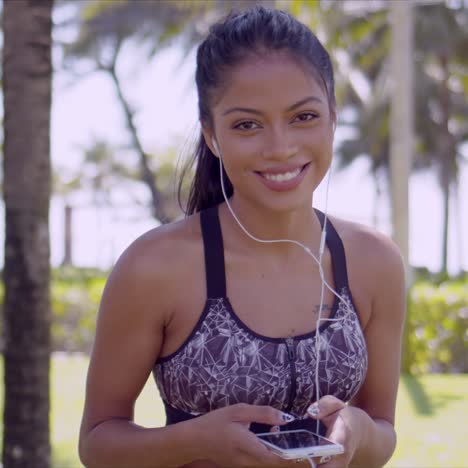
291,350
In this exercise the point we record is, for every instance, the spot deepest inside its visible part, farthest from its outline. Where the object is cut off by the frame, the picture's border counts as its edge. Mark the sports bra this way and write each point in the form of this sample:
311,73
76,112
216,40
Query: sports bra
223,362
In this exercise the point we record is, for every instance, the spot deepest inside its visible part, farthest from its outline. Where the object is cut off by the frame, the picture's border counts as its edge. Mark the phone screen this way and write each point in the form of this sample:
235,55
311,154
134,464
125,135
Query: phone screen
294,439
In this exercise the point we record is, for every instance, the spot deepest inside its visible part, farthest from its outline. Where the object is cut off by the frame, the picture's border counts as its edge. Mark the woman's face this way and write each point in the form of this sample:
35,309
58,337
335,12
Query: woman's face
274,129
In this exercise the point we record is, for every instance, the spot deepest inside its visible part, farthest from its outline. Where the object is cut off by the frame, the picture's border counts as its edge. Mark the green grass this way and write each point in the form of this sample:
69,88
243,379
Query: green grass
432,422
68,387
432,416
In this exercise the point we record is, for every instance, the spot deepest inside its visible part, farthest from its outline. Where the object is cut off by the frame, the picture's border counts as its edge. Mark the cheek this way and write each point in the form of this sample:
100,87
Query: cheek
236,167
239,155
242,150
326,139
239,147
319,144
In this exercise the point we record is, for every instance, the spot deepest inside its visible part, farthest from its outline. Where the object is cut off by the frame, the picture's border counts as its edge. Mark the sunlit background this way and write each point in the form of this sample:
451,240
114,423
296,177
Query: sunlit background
99,203
162,93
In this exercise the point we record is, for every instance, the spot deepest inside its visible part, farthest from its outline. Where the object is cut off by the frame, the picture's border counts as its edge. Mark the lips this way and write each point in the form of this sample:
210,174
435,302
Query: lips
280,170
281,177
284,177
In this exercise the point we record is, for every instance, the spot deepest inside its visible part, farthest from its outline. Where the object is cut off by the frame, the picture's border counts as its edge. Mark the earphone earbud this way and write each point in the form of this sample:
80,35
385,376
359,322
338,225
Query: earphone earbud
215,145
318,260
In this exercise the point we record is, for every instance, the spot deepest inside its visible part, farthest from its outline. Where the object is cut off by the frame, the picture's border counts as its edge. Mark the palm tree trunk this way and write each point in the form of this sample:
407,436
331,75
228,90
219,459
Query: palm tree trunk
401,138
445,226
447,160
27,73
401,122
68,236
459,227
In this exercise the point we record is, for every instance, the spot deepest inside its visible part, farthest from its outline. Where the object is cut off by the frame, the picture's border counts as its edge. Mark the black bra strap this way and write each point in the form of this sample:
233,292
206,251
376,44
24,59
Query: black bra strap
335,244
214,253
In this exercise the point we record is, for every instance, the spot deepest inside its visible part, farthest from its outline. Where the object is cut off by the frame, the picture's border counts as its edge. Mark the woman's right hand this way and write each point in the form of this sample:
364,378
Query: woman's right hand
224,437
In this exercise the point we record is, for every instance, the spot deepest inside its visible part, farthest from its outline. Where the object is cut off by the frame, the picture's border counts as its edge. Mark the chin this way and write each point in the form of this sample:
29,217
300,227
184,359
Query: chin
284,203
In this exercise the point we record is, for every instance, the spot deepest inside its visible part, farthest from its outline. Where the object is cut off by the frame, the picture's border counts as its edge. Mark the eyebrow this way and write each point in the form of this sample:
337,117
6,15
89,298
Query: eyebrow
291,108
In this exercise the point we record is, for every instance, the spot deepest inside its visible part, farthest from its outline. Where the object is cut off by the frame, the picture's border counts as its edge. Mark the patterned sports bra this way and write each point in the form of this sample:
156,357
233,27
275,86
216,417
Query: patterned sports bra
223,362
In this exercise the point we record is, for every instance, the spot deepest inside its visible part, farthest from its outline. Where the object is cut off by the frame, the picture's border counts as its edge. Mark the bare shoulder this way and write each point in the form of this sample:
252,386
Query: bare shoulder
155,262
373,247
171,241
134,310
375,265
376,278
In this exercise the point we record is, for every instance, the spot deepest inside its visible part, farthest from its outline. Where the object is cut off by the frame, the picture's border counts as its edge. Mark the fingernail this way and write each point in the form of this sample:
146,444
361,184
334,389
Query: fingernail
313,410
287,417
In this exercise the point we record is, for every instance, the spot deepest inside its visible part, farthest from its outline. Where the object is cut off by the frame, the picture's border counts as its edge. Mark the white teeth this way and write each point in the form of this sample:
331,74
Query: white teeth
282,177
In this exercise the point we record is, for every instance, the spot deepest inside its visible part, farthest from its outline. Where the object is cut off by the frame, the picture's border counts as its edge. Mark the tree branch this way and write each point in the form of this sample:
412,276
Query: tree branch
147,175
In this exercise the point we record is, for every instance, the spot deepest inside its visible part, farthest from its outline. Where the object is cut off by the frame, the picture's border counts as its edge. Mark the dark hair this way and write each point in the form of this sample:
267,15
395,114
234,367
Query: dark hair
229,42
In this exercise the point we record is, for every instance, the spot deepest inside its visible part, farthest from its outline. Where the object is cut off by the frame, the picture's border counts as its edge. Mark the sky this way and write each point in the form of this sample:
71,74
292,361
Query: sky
164,94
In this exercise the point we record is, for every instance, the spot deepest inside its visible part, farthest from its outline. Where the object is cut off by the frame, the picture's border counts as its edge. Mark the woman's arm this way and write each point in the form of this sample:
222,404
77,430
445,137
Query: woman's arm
120,443
366,425
128,340
377,396
135,307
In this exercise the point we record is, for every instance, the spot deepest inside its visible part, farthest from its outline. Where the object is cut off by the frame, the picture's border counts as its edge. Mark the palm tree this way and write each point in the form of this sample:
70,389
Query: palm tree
360,39
27,95
442,104
401,123
107,27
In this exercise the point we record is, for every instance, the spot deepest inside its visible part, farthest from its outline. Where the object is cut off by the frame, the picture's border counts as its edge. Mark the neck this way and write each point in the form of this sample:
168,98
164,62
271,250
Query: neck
301,225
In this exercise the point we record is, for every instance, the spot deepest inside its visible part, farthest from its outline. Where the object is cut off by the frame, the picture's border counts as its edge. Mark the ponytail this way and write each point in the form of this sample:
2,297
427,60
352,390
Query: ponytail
205,189
257,30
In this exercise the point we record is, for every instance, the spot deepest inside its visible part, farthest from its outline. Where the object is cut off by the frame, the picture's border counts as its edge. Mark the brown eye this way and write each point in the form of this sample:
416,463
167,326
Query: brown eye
306,117
246,125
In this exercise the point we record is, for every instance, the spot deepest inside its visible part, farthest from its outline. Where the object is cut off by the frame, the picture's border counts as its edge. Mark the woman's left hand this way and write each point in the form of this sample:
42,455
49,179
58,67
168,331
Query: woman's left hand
343,427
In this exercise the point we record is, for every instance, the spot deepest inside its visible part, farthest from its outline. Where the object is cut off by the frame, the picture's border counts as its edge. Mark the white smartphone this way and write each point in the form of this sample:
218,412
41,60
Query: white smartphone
299,444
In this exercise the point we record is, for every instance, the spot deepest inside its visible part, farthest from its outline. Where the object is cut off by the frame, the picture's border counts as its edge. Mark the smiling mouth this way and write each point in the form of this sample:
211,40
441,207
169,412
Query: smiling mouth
283,177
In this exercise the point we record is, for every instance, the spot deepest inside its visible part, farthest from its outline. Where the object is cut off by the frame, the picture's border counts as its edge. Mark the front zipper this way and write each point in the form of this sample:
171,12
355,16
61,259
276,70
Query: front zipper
292,366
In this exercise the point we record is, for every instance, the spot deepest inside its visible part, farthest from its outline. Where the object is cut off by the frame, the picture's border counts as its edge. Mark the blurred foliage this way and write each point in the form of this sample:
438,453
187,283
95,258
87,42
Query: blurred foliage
358,37
108,33
438,326
105,28
437,323
75,298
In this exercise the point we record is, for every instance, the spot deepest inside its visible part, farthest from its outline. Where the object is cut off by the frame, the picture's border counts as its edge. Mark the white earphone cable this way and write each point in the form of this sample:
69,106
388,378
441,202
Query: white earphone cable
318,260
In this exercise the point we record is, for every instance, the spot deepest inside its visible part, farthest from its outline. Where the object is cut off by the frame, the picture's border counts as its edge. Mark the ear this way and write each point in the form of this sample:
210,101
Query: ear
334,118
208,135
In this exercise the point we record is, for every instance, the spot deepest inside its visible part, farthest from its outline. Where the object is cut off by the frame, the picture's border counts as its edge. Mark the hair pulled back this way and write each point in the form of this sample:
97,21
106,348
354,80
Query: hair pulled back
240,35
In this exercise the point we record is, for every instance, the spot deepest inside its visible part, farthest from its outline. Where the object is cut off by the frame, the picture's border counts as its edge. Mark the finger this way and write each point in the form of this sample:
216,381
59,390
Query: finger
338,461
325,459
243,413
259,454
262,456
326,406
334,461
307,462
336,432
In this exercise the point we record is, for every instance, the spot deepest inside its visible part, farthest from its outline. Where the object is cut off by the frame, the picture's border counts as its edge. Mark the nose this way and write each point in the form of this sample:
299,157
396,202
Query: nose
279,145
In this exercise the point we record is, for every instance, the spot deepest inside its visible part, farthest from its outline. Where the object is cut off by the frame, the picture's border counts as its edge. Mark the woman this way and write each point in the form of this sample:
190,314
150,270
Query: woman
282,352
